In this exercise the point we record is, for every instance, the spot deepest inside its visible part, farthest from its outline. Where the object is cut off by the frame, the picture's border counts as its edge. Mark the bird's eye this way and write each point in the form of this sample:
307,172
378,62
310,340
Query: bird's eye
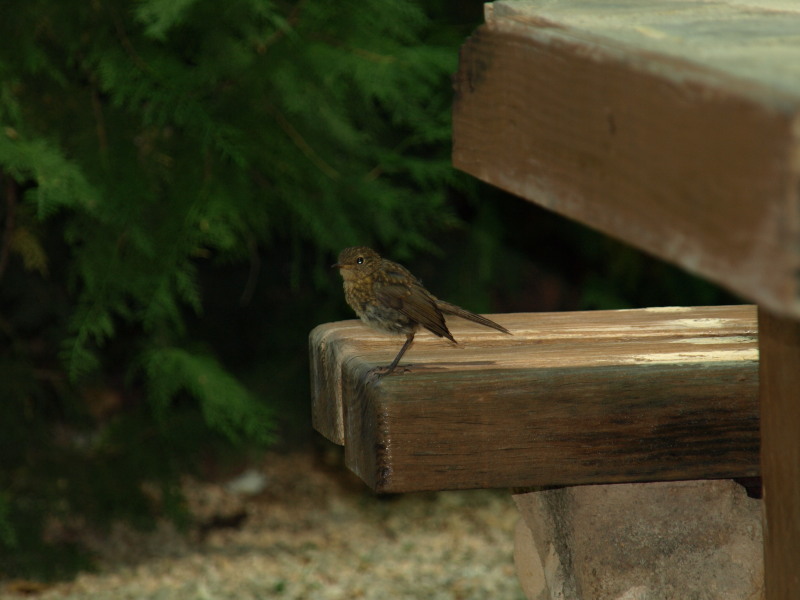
360,260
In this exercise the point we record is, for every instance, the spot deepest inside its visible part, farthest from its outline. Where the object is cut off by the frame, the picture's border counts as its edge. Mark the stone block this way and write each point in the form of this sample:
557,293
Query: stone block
687,540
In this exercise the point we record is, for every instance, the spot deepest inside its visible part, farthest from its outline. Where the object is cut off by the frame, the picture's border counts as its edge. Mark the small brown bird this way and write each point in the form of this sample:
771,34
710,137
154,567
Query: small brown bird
386,296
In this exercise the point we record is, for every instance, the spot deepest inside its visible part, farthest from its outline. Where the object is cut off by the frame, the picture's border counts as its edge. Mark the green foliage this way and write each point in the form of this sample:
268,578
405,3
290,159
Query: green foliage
145,142
58,181
223,399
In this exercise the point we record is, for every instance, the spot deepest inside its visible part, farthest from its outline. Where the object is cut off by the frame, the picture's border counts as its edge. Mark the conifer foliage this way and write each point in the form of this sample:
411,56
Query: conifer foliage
142,138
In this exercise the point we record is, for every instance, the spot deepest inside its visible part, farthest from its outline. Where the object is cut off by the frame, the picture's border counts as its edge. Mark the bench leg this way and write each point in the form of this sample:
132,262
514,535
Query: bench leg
779,391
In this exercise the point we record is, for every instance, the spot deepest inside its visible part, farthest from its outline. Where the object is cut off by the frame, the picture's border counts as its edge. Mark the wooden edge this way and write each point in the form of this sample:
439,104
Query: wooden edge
326,393
591,397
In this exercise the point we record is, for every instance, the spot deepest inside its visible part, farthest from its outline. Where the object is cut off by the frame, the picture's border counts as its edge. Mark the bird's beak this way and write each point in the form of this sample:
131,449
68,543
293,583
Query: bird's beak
337,266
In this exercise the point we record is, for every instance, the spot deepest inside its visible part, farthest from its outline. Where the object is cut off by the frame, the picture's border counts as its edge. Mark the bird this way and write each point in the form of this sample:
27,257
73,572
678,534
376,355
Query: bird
387,297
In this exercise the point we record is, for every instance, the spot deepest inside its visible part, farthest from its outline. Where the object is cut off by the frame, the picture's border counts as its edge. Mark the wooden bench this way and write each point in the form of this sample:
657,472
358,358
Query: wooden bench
570,398
671,125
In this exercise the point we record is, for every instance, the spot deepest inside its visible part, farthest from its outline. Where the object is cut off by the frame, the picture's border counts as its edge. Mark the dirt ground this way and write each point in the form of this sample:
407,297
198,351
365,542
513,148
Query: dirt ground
312,531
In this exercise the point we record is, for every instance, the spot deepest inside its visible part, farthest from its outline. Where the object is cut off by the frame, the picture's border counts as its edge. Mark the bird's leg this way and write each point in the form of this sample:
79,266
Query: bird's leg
406,346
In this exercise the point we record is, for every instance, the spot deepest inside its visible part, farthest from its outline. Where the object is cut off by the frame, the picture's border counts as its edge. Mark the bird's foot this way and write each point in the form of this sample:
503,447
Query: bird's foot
383,371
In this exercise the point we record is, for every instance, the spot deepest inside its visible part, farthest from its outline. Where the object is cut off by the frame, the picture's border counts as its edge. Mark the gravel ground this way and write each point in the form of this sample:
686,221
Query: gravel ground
312,532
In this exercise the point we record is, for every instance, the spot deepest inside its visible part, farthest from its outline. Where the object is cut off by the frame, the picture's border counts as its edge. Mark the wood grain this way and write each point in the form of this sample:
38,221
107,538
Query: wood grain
570,398
674,126
779,345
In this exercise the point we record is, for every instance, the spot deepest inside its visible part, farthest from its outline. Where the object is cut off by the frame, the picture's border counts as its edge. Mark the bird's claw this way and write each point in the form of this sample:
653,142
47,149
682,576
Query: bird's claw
378,372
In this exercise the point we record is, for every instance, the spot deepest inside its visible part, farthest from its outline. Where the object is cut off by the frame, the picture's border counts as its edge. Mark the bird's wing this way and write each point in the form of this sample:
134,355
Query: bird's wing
406,295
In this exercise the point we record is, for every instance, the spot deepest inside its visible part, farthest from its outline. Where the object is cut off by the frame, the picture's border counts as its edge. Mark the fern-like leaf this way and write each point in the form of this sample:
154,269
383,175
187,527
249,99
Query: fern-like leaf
226,404
25,243
58,181
159,16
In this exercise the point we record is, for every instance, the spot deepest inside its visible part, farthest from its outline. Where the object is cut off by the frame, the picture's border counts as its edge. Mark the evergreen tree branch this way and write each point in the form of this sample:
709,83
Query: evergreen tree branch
302,144
286,26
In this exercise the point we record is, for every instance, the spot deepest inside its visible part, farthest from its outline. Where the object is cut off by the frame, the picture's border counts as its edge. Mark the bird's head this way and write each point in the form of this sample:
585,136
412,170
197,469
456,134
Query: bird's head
357,262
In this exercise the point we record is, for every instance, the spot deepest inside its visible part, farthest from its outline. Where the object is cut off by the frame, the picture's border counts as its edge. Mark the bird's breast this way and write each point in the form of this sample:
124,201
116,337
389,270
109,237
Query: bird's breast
360,296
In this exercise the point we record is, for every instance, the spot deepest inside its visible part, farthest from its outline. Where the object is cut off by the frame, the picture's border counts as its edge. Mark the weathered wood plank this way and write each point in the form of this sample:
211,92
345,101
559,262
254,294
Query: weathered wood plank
332,344
779,344
570,398
672,125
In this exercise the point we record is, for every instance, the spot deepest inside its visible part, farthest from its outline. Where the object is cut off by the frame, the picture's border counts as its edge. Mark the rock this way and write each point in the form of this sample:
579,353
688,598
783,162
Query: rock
249,483
653,541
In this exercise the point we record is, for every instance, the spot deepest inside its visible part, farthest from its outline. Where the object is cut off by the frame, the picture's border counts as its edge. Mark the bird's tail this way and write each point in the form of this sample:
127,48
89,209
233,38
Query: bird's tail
452,309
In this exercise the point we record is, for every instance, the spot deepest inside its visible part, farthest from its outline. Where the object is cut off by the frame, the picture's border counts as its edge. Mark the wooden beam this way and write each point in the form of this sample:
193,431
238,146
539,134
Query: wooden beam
570,398
671,125
779,345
